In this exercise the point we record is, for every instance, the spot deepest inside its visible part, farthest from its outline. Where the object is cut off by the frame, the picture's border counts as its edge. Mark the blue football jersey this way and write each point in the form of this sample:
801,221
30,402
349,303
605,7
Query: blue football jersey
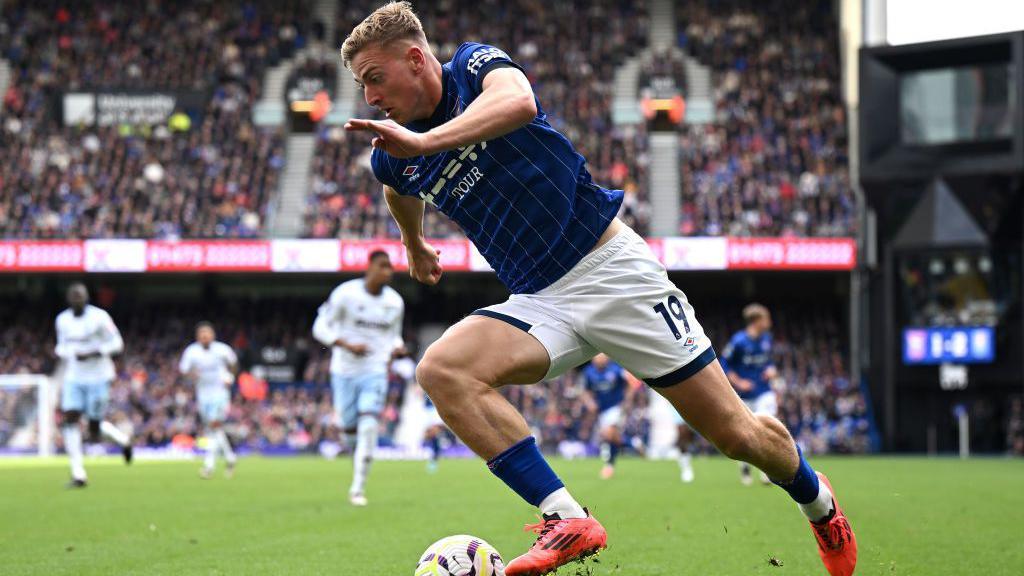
749,357
526,199
608,385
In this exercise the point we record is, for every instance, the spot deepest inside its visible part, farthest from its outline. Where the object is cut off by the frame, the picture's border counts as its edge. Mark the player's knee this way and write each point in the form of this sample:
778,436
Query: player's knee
70,417
436,375
94,430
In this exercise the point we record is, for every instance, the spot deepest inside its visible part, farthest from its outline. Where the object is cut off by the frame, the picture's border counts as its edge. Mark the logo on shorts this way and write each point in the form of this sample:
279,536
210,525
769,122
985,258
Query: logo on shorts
689,342
410,170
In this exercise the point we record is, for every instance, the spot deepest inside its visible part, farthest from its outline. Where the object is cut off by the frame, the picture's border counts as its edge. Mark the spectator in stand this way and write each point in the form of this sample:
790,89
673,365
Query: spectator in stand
773,162
207,178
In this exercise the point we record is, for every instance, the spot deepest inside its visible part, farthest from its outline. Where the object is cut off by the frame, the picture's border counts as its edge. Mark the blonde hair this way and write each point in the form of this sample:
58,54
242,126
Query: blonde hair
754,312
392,21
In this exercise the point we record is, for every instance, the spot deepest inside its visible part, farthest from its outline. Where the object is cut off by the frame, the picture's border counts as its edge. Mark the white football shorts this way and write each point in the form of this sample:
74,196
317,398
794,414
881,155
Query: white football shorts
766,403
611,417
617,300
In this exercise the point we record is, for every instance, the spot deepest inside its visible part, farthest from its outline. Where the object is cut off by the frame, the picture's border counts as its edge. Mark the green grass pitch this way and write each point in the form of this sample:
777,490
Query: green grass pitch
913,516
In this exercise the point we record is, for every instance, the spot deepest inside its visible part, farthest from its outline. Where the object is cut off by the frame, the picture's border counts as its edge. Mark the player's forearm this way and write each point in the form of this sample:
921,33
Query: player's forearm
113,346
496,112
323,333
408,214
64,352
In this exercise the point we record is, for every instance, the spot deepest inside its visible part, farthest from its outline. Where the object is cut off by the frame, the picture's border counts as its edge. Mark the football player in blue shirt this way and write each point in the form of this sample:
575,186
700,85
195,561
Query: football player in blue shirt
470,138
747,361
607,388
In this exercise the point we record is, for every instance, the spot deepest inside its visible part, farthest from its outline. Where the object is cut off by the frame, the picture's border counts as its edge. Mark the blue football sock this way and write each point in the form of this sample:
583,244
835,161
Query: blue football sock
613,453
524,470
435,447
804,486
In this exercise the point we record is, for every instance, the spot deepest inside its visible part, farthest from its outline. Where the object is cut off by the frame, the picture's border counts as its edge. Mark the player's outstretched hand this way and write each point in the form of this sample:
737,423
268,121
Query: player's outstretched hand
396,140
424,263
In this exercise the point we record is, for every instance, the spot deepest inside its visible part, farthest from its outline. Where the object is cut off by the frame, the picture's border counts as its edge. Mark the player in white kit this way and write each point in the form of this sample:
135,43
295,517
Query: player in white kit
86,339
211,365
362,324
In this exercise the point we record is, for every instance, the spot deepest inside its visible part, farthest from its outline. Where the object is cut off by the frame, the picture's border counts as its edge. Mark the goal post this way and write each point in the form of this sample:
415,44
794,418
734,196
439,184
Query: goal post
26,410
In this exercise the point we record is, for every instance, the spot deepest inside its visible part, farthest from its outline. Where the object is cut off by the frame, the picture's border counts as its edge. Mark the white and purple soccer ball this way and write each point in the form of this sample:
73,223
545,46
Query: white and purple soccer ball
460,555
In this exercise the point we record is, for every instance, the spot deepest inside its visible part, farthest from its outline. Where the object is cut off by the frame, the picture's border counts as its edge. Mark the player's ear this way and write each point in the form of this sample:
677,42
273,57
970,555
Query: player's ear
416,58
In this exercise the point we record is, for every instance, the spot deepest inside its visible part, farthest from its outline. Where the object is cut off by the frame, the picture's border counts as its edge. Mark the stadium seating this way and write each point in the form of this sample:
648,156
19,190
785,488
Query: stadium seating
212,178
774,161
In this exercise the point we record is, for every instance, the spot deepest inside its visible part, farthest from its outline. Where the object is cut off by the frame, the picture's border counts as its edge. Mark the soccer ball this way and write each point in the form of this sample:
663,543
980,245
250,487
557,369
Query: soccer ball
460,555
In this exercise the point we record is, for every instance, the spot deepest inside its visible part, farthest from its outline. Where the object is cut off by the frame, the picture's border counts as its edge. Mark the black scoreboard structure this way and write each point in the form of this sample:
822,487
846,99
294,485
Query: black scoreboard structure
941,164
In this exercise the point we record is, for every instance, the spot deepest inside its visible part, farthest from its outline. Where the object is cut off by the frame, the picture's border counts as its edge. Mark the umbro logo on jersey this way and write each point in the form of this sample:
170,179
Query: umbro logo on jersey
410,170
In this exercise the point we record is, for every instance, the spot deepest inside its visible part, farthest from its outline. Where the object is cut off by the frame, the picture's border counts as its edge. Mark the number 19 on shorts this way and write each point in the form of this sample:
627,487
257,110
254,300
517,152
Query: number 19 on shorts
674,309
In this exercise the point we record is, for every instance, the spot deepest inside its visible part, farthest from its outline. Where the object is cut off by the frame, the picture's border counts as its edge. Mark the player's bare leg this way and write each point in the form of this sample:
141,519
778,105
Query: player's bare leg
708,403
461,372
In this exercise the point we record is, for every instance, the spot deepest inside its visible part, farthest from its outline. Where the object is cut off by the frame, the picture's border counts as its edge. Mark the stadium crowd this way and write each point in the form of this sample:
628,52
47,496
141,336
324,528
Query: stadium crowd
206,171
774,161
293,410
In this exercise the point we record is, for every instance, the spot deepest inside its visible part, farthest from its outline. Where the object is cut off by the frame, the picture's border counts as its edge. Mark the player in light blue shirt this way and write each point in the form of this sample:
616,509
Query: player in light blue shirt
470,138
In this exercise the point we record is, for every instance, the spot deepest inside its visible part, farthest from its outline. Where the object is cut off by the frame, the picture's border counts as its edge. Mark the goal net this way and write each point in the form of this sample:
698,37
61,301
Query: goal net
26,414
